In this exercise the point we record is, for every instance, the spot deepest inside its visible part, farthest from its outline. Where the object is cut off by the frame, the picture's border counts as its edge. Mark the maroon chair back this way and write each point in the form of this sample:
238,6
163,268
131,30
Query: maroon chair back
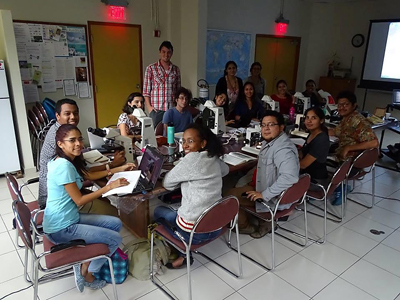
296,191
43,111
339,176
366,158
159,129
39,115
13,187
23,219
34,119
218,215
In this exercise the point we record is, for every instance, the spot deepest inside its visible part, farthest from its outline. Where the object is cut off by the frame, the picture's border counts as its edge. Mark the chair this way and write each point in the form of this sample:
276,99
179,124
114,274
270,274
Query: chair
338,178
222,214
59,258
296,192
159,129
363,164
44,114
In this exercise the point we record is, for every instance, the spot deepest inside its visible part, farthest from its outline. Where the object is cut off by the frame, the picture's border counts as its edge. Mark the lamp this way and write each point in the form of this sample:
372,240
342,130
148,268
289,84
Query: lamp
123,3
281,21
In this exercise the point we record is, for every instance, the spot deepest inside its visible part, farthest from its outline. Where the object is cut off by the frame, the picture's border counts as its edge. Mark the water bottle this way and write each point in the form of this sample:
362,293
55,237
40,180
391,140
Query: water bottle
292,114
170,133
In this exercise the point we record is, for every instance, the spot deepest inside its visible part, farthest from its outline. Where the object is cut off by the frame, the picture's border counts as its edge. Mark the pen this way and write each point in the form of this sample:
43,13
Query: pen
98,158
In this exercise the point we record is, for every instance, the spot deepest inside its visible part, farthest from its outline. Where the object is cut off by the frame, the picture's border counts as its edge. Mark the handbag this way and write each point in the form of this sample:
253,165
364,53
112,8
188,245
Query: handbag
120,264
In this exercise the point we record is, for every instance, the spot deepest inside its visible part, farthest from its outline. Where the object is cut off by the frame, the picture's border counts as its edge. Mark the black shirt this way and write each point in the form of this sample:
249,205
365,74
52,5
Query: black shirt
318,148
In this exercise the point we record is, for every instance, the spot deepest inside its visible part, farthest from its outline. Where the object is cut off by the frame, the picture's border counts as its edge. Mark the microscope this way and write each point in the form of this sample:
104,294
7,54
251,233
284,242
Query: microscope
112,141
271,104
302,104
147,131
253,140
213,117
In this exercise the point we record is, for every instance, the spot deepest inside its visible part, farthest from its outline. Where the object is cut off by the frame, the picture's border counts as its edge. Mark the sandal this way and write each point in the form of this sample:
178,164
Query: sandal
184,263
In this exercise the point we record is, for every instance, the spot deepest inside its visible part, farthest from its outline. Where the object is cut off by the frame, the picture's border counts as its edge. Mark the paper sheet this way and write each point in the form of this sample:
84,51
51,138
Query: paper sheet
83,90
131,176
31,93
69,87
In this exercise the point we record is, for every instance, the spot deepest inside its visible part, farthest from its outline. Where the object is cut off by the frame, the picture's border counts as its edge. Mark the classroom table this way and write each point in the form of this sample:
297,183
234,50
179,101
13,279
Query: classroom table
134,209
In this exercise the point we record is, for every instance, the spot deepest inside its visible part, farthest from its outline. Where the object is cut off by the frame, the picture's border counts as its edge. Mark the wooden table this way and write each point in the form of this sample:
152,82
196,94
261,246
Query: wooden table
134,209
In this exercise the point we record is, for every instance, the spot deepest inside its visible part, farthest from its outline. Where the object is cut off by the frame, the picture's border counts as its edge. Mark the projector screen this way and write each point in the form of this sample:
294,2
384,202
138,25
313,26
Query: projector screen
381,70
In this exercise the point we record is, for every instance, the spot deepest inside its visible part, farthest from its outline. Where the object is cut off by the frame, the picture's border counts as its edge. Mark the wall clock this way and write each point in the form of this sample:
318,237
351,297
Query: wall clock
357,40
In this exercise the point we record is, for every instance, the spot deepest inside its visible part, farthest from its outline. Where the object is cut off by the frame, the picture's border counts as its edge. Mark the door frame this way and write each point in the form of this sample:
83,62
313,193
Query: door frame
296,64
90,23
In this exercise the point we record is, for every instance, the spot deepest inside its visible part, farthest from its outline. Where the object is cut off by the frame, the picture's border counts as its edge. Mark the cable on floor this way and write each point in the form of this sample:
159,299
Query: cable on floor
12,293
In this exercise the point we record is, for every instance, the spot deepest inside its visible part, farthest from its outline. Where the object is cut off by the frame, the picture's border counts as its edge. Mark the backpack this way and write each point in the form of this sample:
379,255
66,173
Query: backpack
138,252
120,264
50,108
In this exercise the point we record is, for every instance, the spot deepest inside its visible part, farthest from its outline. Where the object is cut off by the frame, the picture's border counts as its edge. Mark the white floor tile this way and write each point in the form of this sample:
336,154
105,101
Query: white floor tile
389,178
373,280
216,248
8,218
393,240
3,227
56,287
75,294
5,193
341,289
6,243
270,286
351,241
155,295
205,285
305,275
386,258
354,207
383,216
363,226
5,206
391,205
15,285
243,238
330,257
290,244
130,289
170,275
10,262
381,189
235,296
230,260
260,250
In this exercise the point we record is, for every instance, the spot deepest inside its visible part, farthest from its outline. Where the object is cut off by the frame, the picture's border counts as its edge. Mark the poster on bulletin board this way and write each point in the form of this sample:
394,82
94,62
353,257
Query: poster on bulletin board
223,46
49,54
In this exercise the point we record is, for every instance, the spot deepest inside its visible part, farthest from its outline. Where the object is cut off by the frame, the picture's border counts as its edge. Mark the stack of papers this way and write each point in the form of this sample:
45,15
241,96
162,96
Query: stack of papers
95,158
131,176
236,158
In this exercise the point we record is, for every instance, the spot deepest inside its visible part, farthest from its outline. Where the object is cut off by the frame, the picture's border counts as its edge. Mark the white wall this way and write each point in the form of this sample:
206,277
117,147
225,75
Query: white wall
332,28
258,17
8,52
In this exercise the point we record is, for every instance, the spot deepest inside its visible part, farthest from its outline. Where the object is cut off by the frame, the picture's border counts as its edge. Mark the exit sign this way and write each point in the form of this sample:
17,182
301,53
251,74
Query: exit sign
116,12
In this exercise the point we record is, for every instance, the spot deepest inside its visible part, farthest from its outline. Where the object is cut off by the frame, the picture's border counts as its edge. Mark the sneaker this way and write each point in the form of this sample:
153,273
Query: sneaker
79,280
96,284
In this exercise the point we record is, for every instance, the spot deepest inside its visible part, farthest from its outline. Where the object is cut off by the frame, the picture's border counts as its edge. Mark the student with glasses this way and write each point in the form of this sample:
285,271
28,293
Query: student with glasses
62,220
354,131
179,115
277,170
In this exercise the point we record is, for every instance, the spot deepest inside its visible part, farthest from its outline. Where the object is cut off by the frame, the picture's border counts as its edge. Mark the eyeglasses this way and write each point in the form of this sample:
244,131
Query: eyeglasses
183,98
73,140
189,141
347,104
268,125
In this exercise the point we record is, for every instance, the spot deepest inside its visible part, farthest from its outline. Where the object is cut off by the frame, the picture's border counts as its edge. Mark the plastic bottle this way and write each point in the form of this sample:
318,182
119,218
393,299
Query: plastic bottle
170,133
292,115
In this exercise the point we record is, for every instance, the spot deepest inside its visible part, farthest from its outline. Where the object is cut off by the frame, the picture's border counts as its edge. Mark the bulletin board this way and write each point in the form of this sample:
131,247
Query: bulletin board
52,56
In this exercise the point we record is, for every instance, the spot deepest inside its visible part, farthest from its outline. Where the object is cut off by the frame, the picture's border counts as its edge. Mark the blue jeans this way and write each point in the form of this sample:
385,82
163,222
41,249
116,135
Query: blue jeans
93,229
170,216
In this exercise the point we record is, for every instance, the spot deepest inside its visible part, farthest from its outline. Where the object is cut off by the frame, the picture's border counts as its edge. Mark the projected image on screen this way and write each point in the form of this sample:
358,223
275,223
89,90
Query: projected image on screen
391,61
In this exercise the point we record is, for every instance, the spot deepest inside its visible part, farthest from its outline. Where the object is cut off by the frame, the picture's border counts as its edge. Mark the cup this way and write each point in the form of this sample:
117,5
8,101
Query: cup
387,116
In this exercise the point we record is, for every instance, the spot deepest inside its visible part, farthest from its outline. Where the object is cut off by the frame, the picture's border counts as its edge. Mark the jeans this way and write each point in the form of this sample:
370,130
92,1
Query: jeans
170,216
94,229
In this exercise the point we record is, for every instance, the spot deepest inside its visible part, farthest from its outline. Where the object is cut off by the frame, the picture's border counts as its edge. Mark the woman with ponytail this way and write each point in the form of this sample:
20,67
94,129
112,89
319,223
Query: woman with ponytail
199,175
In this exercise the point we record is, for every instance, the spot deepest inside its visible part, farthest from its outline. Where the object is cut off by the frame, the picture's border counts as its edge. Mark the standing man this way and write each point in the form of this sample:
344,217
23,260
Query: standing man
161,81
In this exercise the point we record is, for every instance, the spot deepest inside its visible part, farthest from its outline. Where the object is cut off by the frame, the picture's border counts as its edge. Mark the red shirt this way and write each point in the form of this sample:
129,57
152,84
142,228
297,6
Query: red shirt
284,104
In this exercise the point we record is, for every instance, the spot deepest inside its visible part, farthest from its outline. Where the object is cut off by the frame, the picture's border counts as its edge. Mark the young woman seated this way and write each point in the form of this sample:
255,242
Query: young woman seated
220,100
286,101
199,175
128,124
62,221
179,115
248,107
315,150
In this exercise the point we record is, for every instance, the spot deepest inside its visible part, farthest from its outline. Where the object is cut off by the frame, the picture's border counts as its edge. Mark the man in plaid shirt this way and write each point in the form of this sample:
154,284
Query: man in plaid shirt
161,80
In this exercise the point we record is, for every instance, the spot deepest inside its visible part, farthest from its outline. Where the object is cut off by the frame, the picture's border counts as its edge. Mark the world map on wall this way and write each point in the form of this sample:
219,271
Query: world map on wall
223,46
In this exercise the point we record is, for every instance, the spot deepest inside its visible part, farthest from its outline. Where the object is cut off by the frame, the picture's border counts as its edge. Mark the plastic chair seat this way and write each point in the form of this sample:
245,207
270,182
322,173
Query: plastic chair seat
73,255
165,233
316,194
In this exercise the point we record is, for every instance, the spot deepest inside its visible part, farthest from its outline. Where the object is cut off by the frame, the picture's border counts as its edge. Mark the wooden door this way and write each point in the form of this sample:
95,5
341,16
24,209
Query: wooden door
279,58
116,52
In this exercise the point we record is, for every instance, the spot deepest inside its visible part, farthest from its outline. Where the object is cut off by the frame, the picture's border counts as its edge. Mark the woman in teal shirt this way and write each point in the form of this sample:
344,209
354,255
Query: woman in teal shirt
62,221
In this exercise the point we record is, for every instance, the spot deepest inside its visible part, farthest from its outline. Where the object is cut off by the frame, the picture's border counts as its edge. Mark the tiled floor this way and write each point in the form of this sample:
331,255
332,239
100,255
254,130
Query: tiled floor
353,263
